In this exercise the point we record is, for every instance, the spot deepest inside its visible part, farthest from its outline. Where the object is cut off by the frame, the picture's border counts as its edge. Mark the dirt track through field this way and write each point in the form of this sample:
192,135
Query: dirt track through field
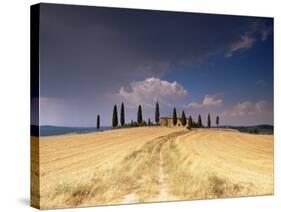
156,154
163,186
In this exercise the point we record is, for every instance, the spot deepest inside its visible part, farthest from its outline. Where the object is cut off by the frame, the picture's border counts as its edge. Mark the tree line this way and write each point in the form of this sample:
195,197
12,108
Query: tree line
190,122
139,122
185,121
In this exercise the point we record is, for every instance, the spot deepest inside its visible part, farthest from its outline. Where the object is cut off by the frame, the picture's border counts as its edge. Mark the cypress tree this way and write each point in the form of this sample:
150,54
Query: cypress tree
98,121
174,117
114,117
199,121
217,120
209,120
190,122
122,115
157,113
139,116
183,119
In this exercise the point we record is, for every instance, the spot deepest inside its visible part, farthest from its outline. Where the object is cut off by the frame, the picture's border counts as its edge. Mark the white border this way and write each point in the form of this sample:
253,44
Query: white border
14,112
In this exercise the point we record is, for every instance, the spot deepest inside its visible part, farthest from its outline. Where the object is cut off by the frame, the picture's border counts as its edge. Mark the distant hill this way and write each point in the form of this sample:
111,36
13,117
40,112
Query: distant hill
260,129
47,130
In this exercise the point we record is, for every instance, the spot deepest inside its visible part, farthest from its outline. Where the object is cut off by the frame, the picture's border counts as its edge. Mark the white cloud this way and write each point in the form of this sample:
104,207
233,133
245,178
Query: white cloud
243,108
209,100
246,108
247,39
212,100
263,30
193,105
152,89
245,42
261,106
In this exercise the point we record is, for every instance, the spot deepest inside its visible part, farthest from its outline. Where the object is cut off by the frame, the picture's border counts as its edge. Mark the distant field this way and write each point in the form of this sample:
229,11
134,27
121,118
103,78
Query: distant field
256,129
153,164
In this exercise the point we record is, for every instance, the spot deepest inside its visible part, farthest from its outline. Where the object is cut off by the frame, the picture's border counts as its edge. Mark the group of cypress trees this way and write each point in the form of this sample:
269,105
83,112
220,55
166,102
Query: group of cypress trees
184,119
115,116
209,120
122,116
191,123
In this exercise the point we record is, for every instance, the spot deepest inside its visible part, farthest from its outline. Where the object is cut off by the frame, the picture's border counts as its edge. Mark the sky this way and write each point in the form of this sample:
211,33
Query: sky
93,57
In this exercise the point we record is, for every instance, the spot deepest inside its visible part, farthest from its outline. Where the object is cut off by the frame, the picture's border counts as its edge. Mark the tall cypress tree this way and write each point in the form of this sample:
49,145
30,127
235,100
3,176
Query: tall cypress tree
217,120
139,116
183,119
98,121
174,117
122,115
209,120
157,113
190,122
114,117
199,121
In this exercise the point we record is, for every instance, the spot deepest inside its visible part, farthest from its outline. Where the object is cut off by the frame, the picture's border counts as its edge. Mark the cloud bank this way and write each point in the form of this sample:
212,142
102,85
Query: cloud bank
150,90
247,108
208,101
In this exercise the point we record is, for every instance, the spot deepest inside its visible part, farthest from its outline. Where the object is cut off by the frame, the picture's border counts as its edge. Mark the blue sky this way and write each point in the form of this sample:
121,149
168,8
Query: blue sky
92,58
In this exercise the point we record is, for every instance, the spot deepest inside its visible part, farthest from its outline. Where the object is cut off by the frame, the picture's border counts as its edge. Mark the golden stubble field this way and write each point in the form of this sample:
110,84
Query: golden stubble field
151,164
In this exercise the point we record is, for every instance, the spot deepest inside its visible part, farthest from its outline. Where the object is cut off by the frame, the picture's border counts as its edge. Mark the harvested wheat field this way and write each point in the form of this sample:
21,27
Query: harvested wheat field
150,164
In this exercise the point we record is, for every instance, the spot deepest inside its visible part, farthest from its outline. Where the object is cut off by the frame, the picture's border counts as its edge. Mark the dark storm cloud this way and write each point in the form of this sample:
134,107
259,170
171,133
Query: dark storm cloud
92,50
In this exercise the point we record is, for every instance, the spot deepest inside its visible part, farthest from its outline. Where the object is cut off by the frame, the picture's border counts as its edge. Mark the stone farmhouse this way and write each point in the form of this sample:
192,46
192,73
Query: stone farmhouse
167,121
